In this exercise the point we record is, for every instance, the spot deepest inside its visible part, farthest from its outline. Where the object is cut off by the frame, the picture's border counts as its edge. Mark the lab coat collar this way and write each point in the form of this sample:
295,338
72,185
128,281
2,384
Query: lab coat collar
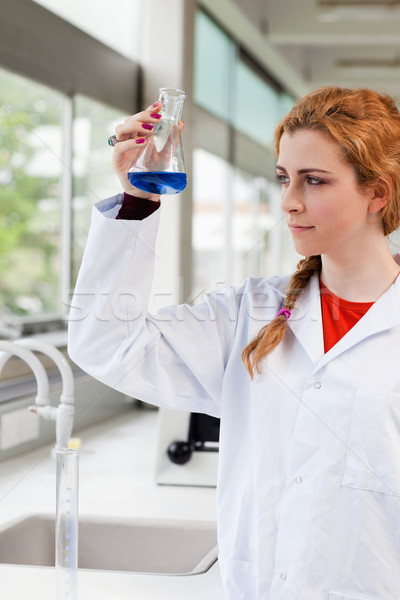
306,322
383,314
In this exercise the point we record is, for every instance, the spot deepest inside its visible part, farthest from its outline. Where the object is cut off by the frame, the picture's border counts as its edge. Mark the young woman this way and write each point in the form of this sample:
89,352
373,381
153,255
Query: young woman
303,371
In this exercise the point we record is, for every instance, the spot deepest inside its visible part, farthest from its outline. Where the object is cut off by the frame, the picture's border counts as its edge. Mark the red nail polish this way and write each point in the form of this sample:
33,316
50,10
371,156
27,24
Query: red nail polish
147,126
140,141
155,116
155,104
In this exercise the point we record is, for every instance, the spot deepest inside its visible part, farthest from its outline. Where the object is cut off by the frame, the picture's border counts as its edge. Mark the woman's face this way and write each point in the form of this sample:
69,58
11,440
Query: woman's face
326,211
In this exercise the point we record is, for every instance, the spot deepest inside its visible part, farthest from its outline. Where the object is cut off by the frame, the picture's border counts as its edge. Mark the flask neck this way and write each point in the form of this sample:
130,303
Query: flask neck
172,103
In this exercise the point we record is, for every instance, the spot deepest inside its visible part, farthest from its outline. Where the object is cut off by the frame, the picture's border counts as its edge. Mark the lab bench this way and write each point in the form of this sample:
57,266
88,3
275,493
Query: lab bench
117,462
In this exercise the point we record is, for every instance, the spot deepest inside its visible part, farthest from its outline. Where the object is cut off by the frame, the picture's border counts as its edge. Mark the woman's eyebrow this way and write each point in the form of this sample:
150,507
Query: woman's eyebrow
302,171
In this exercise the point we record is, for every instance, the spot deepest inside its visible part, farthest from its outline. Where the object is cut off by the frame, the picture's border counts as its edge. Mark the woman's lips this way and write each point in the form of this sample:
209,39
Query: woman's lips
299,228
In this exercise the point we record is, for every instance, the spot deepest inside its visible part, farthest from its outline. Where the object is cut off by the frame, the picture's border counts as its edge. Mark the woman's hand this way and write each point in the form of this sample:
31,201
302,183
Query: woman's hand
132,134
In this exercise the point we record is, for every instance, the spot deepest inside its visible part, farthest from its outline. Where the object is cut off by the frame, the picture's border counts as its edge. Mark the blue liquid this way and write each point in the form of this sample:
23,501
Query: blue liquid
158,182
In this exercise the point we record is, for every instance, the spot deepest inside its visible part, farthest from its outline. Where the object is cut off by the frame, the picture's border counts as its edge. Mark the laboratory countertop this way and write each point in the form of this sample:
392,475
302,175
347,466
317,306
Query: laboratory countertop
117,462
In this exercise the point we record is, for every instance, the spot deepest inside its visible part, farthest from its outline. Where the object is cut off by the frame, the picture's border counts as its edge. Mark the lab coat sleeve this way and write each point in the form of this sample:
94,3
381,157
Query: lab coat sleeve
175,358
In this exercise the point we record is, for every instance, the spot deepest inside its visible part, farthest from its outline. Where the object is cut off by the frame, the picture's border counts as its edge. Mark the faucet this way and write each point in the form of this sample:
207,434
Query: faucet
63,414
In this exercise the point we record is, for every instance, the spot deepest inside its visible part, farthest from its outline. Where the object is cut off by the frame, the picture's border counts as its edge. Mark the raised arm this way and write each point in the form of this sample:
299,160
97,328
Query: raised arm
175,358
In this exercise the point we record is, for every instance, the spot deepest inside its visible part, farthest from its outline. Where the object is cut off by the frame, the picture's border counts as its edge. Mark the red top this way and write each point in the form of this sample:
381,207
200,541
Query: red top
338,315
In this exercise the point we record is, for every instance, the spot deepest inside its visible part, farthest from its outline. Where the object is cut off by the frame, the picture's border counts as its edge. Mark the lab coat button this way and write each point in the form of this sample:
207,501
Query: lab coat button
317,385
298,479
283,576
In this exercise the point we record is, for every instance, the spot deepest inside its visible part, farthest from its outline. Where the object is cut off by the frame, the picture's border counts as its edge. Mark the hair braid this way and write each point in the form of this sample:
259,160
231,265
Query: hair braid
273,333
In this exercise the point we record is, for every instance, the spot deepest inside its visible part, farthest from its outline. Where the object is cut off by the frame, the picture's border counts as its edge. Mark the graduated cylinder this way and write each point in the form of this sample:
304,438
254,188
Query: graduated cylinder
67,524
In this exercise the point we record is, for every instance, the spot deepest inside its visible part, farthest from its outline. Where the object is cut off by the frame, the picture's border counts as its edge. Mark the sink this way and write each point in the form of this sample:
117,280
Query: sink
172,547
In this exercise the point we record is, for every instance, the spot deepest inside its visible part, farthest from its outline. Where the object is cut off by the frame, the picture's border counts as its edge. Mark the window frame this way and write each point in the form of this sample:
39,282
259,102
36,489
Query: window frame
77,66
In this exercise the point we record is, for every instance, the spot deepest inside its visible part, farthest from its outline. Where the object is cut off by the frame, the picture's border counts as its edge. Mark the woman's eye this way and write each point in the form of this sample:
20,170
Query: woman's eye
282,178
314,180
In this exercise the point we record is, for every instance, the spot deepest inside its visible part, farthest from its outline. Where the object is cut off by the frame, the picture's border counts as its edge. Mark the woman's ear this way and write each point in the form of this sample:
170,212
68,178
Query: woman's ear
380,196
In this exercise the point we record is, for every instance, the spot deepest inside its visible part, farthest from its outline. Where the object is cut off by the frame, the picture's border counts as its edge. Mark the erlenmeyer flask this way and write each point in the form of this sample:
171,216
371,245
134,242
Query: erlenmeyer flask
159,167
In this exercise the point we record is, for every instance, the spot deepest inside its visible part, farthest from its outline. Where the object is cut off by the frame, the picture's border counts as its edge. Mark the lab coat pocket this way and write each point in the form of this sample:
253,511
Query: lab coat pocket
373,453
239,578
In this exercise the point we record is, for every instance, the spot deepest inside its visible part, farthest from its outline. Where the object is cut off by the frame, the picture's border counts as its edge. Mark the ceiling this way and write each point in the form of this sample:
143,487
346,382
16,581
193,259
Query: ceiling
342,42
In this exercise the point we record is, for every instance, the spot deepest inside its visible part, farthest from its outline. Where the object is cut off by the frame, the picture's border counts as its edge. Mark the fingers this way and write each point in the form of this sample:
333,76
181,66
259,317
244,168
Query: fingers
133,143
156,107
135,132
140,124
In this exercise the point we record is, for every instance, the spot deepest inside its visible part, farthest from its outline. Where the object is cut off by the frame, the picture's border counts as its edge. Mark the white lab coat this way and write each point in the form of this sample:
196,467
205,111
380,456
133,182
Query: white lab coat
309,471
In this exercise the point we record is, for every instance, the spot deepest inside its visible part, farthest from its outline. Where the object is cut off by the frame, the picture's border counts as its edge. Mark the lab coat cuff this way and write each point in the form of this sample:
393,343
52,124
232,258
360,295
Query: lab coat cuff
105,213
110,206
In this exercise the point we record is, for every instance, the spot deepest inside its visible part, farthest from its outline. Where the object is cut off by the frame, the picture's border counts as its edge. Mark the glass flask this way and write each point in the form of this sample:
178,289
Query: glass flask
159,167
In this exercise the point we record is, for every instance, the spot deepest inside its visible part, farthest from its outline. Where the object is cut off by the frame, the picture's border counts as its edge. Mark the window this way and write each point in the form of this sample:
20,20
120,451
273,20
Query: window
256,105
236,224
32,162
212,67
252,218
211,180
30,196
286,103
93,178
238,228
231,86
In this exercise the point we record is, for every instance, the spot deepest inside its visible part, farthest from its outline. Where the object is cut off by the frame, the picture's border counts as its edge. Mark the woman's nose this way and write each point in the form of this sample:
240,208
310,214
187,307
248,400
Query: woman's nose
291,199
